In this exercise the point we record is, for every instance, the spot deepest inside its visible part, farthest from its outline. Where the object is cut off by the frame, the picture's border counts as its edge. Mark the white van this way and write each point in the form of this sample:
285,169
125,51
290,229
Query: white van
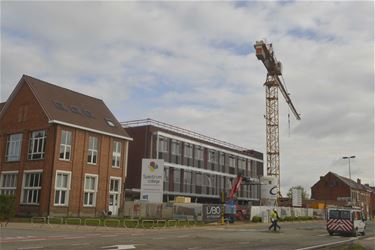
346,221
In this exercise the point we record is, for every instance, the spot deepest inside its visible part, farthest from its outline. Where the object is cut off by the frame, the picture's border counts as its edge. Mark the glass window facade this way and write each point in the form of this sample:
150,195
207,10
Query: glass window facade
204,171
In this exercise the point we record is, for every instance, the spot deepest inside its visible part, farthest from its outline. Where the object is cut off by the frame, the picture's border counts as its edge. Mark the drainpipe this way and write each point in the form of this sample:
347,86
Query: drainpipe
53,167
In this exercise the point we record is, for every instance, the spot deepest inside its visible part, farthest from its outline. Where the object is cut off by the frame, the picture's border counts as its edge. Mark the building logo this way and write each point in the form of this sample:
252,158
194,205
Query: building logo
274,190
152,166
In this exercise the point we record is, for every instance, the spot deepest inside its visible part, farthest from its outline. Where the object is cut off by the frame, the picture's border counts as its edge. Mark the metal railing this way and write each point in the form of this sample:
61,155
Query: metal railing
151,122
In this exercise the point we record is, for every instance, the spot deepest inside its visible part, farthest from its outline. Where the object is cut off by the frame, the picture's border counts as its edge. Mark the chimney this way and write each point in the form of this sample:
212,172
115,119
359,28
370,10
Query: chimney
321,177
358,181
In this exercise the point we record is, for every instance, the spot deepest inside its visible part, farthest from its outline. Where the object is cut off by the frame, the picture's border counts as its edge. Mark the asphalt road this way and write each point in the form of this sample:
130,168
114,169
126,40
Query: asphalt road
298,235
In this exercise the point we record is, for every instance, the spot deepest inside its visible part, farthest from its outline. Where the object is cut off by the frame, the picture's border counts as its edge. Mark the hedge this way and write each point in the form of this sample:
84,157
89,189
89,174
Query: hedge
256,219
7,207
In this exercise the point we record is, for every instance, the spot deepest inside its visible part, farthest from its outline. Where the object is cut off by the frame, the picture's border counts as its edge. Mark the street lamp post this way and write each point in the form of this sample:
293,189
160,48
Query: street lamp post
349,157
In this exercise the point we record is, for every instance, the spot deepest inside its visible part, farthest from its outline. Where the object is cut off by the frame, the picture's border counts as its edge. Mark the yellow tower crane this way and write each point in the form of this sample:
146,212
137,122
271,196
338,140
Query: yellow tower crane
264,52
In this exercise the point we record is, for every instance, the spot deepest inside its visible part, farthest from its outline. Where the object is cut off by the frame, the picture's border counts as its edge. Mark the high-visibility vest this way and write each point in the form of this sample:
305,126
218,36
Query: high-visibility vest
274,215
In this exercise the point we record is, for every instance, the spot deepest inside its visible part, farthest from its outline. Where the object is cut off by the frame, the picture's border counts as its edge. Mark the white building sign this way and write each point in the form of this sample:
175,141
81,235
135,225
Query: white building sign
152,180
296,197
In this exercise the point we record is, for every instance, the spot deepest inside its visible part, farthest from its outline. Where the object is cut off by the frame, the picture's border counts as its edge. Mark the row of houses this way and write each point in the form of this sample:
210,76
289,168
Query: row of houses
64,153
335,190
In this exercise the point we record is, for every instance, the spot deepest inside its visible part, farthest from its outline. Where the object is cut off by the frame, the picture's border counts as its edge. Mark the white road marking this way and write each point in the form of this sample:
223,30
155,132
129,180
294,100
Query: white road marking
24,248
32,239
328,244
371,238
120,247
159,238
75,237
80,244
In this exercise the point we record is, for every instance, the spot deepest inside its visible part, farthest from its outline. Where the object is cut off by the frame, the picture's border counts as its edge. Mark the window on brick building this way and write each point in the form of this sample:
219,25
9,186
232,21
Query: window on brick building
92,150
66,145
116,154
32,184
62,187
91,187
8,183
37,145
13,150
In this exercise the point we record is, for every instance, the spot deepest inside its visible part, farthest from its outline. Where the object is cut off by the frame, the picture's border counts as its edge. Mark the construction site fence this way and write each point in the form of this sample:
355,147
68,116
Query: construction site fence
209,212
265,212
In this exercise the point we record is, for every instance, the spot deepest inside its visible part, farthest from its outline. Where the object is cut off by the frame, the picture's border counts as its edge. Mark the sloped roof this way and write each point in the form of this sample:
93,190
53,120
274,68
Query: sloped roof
70,108
2,104
350,183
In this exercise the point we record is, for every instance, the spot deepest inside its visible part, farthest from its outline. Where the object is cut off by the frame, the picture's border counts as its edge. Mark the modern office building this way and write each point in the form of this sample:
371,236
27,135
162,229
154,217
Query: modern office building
61,152
195,165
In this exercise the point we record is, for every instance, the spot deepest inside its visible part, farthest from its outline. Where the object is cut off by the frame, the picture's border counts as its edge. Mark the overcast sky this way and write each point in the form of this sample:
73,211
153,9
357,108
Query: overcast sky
193,65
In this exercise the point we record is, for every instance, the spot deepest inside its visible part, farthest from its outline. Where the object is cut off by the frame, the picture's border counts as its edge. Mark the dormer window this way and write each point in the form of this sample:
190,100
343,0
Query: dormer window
87,113
75,110
59,105
110,123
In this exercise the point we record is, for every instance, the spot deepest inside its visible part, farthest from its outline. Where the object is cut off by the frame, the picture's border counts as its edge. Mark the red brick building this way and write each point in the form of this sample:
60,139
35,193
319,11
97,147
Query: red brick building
335,189
61,152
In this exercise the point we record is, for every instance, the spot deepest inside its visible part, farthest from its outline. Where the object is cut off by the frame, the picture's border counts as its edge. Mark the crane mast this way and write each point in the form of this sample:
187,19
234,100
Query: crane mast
264,52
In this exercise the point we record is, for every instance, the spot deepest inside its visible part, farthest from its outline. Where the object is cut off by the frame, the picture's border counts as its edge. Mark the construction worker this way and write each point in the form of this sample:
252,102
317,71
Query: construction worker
274,219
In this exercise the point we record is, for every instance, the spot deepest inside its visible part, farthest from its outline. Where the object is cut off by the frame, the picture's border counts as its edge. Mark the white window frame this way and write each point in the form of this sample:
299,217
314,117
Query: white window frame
13,149
116,154
8,190
93,150
38,189
90,191
64,144
60,190
119,186
40,142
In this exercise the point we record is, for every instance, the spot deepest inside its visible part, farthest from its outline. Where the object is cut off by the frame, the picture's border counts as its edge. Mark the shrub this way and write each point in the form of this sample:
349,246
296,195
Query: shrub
256,219
7,207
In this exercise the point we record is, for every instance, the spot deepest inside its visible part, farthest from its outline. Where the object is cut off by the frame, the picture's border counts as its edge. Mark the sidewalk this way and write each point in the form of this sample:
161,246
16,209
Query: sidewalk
84,228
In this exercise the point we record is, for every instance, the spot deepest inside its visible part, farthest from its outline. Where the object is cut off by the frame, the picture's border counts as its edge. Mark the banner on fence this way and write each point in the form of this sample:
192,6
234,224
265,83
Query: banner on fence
212,212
